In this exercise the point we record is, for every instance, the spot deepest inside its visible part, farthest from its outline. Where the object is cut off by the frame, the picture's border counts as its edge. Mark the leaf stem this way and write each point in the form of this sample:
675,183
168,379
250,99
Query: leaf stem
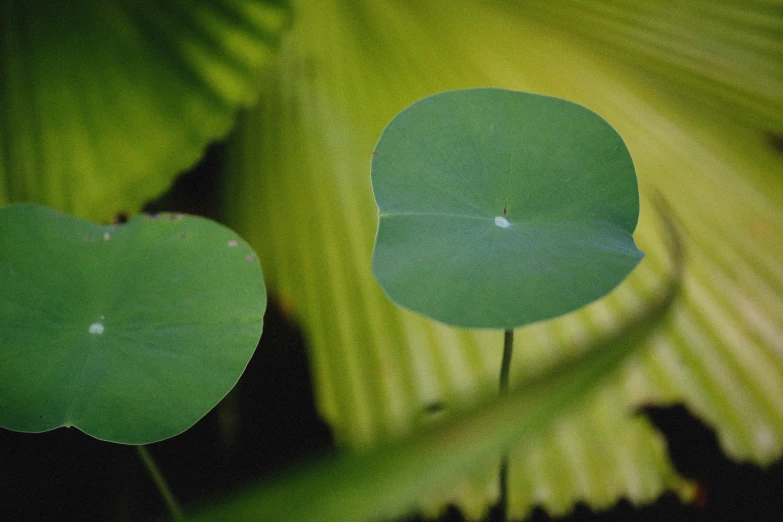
505,369
160,482
505,366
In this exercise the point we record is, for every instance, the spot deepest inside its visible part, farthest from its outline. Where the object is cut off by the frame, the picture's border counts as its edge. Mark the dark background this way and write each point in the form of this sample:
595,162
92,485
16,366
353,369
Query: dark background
269,422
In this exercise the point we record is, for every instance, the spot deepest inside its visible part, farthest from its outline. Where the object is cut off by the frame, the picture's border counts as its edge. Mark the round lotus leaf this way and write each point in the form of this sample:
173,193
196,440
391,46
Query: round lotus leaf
130,333
499,208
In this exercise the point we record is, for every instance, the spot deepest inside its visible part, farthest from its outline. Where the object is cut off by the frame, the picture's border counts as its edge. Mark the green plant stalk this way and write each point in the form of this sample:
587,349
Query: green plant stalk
505,369
392,478
160,482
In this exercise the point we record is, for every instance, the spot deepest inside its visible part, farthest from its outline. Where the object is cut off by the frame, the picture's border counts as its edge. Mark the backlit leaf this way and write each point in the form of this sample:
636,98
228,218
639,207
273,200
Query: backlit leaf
102,104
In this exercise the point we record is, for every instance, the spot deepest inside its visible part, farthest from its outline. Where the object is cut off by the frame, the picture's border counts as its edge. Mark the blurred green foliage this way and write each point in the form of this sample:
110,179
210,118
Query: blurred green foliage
102,105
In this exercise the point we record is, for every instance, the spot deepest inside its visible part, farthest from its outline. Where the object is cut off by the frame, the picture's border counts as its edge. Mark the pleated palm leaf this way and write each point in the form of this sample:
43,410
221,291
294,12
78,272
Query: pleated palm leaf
695,90
102,104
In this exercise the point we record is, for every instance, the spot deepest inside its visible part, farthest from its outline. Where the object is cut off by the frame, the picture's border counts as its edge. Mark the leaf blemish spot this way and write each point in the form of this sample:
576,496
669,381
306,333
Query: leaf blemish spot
233,243
435,407
96,328
502,222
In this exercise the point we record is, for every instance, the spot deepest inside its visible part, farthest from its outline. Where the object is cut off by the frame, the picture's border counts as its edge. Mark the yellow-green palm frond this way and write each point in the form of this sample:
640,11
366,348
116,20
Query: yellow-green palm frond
694,93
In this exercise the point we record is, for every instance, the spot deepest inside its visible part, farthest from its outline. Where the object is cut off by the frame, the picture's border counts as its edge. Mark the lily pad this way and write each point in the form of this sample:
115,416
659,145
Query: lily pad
130,333
500,208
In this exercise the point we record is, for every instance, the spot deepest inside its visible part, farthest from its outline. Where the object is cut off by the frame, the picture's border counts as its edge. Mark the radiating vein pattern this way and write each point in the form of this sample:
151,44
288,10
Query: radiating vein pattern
102,104
302,159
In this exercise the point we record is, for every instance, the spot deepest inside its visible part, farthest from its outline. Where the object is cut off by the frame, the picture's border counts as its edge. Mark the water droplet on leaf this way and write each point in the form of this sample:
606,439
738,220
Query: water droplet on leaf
502,222
96,328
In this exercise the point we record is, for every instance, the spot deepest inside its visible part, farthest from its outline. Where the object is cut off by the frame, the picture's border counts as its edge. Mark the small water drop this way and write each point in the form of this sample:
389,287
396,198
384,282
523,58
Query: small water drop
502,222
96,328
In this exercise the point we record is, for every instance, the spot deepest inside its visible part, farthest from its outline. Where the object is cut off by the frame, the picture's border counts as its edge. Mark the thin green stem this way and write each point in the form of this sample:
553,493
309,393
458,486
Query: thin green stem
505,369
505,366
160,482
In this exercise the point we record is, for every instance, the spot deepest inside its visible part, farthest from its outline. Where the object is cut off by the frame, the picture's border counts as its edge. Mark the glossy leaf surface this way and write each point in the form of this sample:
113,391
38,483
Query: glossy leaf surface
500,208
131,332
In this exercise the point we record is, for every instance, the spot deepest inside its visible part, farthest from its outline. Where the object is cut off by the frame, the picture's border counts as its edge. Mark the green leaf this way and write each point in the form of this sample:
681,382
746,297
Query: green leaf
500,208
726,55
102,104
300,159
131,333
391,479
